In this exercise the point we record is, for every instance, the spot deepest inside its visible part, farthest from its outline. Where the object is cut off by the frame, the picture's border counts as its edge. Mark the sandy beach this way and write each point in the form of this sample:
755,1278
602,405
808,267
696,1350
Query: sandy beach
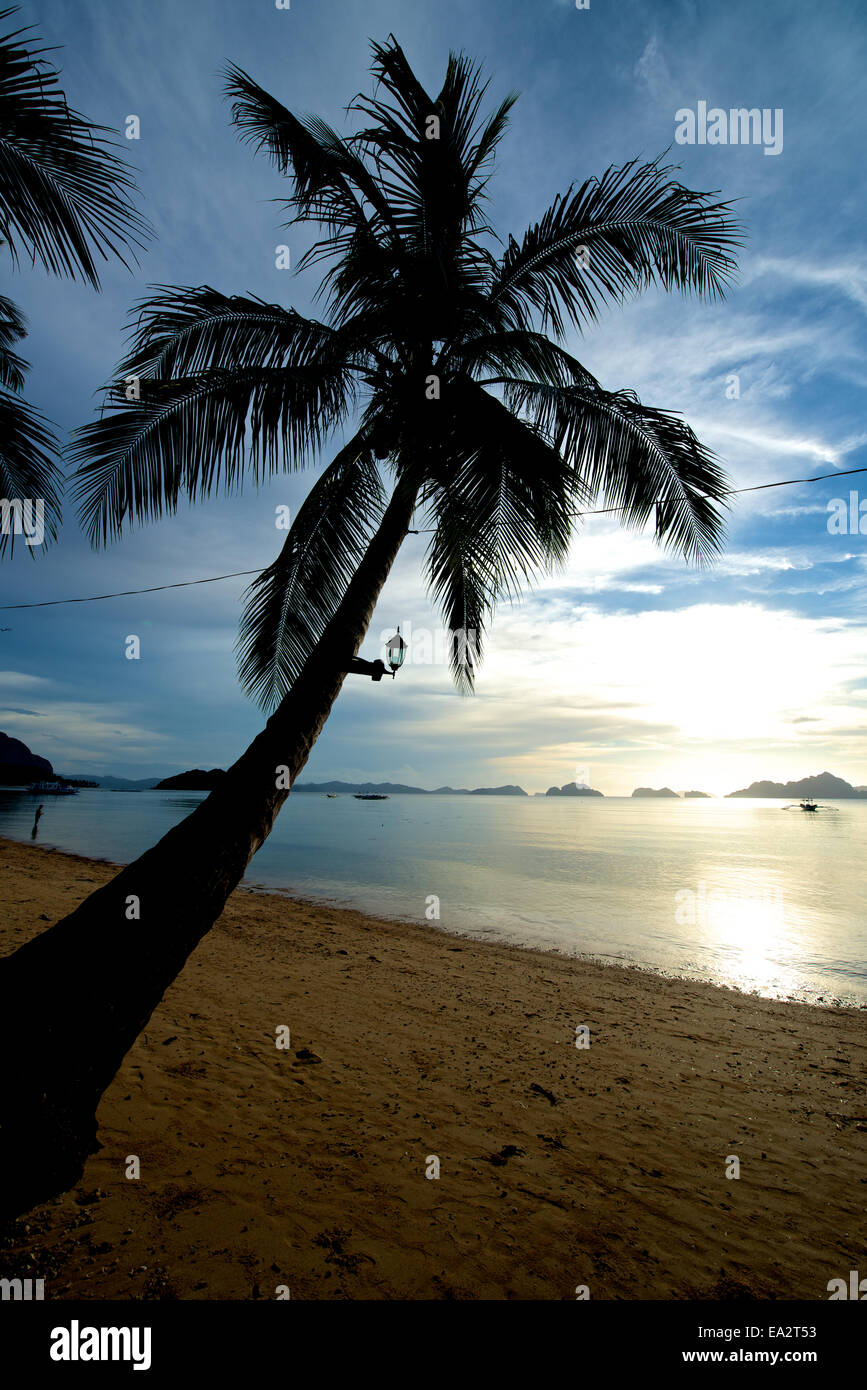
558,1166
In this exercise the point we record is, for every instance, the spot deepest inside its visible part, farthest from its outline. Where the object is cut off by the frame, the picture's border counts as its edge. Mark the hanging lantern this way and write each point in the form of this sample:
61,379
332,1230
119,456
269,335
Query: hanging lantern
395,651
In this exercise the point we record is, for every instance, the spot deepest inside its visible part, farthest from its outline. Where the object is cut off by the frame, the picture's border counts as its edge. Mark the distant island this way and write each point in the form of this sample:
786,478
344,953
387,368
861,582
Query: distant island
571,789
651,791
195,781
825,784
688,796
509,790
19,767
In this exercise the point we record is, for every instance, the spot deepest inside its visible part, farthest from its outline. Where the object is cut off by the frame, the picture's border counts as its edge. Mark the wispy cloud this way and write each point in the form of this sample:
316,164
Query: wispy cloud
846,278
652,69
21,680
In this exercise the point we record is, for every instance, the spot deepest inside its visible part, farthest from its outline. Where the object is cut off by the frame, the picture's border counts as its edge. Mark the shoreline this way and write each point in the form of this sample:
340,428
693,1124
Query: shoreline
559,1166
326,904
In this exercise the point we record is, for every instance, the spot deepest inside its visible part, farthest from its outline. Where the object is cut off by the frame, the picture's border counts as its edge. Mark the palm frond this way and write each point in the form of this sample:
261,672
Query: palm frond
463,581
489,137
290,604
65,194
180,330
28,471
189,438
432,184
331,183
13,327
614,237
639,459
502,503
513,354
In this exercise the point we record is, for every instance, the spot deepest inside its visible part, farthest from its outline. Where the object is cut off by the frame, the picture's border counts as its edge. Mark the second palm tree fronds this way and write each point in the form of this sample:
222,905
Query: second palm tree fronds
65,204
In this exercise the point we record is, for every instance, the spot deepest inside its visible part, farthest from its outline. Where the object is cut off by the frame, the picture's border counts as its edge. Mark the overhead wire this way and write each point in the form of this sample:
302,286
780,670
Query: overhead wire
238,574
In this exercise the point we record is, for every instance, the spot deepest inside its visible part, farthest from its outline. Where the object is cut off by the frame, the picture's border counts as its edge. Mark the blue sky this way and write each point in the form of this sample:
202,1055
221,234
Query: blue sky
629,668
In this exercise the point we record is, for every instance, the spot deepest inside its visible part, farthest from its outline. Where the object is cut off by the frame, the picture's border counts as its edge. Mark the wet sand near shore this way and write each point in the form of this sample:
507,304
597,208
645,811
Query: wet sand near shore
559,1166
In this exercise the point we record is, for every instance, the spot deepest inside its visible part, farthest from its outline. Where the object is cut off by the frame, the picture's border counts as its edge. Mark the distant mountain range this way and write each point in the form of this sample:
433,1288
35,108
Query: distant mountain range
198,779
399,789
19,767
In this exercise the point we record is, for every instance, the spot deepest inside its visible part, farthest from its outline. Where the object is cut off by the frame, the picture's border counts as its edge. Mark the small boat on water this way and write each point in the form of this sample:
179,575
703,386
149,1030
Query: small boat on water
52,789
808,804
332,796
370,796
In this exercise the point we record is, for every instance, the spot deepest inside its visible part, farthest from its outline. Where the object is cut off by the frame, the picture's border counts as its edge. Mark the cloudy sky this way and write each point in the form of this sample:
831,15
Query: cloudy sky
629,668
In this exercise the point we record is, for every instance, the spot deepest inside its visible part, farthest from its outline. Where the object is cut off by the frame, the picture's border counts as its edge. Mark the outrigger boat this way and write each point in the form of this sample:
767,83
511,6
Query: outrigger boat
52,789
808,804
370,796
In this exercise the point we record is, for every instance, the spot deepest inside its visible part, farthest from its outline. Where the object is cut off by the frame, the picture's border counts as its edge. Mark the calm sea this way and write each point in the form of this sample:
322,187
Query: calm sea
738,892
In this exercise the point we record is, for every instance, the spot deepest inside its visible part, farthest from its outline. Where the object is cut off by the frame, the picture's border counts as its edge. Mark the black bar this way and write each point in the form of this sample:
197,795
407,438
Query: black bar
649,1337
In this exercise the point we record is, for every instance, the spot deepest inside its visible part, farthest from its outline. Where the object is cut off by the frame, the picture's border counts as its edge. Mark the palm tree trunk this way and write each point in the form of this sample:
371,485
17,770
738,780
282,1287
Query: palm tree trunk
73,1001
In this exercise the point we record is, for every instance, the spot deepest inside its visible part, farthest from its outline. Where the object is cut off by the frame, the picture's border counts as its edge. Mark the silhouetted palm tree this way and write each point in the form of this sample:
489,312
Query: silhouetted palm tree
63,203
467,406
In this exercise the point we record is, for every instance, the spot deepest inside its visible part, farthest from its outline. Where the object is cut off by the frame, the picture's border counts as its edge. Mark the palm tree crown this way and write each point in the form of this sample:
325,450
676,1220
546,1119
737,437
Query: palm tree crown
443,348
